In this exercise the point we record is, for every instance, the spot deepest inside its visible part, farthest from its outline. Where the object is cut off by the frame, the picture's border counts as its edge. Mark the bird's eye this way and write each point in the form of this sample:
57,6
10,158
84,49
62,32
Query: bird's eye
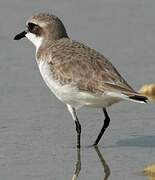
32,27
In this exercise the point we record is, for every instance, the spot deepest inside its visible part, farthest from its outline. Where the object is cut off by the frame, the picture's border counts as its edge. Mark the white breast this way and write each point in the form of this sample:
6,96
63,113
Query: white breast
47,75
65,93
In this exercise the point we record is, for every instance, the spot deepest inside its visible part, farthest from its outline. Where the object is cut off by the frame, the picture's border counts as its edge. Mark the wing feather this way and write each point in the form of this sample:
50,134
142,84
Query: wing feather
73,62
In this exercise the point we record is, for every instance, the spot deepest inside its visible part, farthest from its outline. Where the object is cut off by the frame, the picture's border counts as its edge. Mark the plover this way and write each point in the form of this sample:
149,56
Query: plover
78,75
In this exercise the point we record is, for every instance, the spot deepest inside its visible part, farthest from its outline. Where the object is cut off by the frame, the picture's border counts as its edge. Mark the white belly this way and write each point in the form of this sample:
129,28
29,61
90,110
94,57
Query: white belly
70,94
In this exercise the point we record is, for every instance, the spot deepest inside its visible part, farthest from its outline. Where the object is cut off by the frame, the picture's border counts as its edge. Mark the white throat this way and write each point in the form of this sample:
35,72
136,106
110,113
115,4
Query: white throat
37,41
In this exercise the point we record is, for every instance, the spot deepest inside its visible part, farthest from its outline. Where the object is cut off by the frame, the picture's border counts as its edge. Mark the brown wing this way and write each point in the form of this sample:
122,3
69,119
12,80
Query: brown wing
73,62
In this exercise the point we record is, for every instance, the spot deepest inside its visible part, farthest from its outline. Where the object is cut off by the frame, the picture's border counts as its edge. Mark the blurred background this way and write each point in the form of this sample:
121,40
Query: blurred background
37,134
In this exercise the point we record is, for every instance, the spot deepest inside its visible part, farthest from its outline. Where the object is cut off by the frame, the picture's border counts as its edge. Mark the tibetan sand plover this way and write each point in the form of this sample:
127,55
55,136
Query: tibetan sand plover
77,75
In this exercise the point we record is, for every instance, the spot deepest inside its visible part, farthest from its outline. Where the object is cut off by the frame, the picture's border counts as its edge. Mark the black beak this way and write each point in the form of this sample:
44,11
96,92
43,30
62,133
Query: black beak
20,35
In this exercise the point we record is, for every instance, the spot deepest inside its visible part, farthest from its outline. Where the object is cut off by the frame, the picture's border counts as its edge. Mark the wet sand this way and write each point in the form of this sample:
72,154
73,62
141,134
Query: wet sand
37,134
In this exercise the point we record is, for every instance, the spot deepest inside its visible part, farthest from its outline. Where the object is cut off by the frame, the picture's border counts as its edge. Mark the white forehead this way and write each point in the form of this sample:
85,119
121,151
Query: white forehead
37,22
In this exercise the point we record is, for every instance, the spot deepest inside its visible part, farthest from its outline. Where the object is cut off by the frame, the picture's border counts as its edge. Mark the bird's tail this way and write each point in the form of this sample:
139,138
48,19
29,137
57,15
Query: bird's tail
134,97
126,93
139,98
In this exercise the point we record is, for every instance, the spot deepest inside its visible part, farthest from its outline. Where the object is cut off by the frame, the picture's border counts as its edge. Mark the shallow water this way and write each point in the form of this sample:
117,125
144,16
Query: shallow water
37,134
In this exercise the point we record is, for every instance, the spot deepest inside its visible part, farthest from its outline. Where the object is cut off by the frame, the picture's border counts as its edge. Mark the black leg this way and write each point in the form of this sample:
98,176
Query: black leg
78,130
72,110
105,125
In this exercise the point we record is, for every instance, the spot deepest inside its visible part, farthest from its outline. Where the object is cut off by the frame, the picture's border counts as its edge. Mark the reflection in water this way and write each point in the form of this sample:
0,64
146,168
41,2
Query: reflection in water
102,160
104,163
78,165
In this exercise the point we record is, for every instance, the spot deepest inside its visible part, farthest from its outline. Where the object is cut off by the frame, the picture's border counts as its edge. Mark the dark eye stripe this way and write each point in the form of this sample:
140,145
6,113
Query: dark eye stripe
32,27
